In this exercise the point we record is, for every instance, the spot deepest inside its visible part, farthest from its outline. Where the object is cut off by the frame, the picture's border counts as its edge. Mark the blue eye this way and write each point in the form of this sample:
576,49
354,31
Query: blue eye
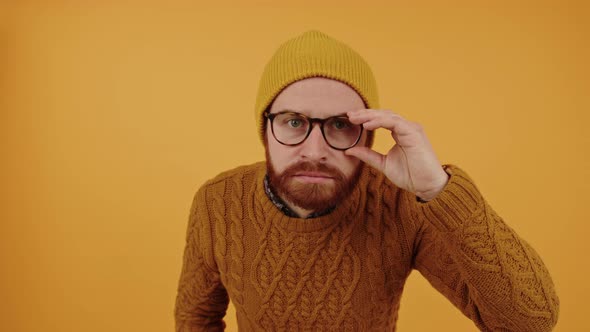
340,124
295,123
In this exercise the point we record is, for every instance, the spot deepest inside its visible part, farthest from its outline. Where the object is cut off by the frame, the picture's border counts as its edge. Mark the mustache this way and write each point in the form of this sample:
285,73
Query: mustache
309,166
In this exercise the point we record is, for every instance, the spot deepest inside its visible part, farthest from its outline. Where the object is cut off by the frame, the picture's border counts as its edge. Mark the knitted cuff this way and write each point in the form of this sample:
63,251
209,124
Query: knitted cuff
457,202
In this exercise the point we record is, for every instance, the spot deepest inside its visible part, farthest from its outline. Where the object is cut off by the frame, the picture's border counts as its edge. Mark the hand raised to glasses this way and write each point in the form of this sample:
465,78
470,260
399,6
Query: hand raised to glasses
411,164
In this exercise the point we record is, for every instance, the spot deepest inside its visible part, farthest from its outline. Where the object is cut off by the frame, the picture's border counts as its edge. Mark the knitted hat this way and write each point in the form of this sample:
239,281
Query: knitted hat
314,54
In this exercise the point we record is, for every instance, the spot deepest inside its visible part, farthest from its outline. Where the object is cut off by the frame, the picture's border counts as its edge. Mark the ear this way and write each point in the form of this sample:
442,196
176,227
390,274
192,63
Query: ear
265,125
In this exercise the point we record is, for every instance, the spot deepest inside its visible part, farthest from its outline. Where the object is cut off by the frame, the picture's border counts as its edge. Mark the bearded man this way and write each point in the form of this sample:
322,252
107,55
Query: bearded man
323,235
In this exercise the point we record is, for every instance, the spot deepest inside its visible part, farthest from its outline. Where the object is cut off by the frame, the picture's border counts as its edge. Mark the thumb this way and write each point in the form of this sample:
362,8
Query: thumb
373,158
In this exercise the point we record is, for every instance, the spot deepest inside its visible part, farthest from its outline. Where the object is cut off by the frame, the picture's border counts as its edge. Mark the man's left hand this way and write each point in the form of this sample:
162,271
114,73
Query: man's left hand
411,163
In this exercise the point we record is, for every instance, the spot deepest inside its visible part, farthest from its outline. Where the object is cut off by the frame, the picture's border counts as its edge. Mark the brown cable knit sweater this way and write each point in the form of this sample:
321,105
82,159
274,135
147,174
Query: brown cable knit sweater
346,271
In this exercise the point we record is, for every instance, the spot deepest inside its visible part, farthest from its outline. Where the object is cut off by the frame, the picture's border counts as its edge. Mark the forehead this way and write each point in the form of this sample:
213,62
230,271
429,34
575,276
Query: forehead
318,97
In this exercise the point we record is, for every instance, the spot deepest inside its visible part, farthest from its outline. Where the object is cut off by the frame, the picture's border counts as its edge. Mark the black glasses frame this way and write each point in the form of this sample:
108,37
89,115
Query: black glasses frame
271,117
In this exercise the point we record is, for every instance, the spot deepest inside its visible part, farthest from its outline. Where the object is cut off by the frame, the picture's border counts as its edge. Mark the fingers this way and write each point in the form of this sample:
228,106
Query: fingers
372,119
374,159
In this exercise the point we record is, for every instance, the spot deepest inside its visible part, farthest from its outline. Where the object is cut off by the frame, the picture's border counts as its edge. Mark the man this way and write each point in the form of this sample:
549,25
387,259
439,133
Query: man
324,234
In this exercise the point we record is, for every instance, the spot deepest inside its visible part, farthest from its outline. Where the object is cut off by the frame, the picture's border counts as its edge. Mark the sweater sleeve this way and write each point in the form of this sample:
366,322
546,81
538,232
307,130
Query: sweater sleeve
469,254
201,300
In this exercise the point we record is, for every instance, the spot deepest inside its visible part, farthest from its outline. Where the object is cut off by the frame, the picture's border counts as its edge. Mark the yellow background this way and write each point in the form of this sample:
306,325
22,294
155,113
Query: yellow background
112,115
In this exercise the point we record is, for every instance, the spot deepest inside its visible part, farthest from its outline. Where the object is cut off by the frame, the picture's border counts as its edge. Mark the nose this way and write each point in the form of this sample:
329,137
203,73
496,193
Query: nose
315,146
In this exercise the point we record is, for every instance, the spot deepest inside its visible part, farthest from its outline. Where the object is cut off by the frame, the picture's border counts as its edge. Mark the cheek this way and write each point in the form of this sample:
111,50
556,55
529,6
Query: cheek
281,157
348,164
278,155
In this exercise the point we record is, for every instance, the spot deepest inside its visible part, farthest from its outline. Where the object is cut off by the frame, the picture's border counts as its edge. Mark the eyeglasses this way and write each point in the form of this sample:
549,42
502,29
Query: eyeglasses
291,128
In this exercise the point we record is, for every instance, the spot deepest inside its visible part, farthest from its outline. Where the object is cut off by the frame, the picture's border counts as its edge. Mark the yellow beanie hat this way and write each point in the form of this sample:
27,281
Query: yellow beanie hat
313,54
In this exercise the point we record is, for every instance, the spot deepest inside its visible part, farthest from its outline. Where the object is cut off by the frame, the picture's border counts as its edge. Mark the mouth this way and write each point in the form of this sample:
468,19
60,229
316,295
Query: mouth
313,177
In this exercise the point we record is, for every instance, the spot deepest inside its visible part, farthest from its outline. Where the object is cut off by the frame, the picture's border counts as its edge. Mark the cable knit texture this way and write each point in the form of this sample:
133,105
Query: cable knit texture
346,271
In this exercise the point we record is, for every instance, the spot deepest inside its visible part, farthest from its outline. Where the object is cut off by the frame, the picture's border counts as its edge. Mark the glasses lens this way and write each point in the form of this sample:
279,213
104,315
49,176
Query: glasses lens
290,128
341,133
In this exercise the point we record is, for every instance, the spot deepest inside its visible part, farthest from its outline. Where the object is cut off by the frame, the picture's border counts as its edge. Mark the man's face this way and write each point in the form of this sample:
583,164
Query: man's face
312,175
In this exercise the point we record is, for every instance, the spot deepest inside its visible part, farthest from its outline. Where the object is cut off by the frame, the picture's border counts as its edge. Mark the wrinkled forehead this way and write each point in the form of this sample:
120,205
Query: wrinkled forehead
317,97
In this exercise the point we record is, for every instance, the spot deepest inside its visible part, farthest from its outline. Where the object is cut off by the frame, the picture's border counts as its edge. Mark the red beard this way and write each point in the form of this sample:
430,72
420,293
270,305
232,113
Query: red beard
312,196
